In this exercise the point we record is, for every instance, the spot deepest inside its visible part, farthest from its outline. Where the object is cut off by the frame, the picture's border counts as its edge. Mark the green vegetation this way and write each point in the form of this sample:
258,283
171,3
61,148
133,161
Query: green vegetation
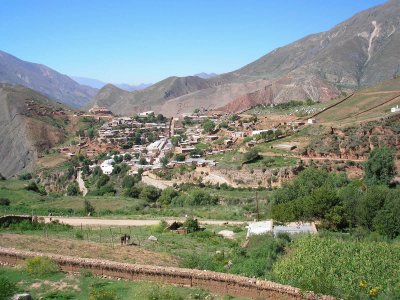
380,168
338,203
85,286
208,126
344,268
40,266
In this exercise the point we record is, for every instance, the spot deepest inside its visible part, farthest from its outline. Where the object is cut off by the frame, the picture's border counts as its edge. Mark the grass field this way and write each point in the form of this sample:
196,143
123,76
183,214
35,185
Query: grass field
23,201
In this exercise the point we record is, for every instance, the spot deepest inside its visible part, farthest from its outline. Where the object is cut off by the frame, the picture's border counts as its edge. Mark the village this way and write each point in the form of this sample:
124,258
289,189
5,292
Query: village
152,142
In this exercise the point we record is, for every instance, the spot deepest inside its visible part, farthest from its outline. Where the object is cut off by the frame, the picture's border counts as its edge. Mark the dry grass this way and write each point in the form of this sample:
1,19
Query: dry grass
129,254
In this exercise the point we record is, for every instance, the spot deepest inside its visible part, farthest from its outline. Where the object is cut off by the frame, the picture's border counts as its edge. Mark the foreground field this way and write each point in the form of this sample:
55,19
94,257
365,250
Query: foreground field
85,286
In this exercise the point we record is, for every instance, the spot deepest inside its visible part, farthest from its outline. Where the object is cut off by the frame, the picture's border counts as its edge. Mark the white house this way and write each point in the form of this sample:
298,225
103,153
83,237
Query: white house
395,109
311,121
107,167
146,113
257,228
294,228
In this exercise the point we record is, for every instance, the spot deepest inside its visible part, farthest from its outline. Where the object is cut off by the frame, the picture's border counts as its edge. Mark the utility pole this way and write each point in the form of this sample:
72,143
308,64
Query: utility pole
258,211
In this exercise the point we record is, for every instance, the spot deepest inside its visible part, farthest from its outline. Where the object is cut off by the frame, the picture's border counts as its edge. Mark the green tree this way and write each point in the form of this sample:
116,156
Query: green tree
103,179
180,157
387,220
251,155
7,288
192,225
127,157
175,140
369,204
380,167
72,189
208,126
88,207
150,193
167,196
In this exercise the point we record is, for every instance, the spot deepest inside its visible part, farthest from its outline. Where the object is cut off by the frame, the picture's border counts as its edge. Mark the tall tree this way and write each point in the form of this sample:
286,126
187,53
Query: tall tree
380,167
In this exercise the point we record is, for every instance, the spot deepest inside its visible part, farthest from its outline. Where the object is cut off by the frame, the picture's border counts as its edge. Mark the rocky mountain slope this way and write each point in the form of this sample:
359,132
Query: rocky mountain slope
44,80
358,52
29,124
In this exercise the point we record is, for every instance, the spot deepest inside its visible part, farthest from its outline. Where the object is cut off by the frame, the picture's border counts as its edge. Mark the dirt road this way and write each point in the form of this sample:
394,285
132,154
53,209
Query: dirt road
81,183
127,222
160,184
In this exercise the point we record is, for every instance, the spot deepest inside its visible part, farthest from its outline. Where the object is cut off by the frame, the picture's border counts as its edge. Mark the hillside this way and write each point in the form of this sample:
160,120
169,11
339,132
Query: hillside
44,80
359,52
29,123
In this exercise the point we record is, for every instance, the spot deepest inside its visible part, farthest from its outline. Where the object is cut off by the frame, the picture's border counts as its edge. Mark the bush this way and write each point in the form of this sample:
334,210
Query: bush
26,176
72,189
150,193
59,295
192,225
102,294
102,180
7,288
380,167
34,187
163,293
79,235
41,266
88,207
161,227
4,202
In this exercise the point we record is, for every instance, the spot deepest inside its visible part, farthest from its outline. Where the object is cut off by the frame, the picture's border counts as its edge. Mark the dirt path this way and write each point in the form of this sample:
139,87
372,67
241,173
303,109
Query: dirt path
81,183
309,158
127,222
160,184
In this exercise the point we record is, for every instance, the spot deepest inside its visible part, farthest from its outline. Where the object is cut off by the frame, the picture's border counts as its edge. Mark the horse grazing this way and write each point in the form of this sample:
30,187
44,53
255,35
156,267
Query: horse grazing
125,239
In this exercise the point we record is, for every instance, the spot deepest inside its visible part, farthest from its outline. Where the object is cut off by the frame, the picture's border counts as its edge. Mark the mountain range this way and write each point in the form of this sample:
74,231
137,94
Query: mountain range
44,80
98,84
359,52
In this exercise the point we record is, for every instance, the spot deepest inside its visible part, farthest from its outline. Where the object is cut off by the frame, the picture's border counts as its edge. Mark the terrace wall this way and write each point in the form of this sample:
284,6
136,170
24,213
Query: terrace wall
218,283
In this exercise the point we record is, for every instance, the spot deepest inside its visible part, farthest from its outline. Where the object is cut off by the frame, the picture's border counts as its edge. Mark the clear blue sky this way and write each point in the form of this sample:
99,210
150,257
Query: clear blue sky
149,40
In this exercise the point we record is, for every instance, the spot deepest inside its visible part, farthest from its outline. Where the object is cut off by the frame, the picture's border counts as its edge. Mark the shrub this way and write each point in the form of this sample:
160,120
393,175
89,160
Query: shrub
88,207
59,295
72,189
192,225
7,288
103,180
163,293
34,187
4,202
79,235
41,266
380,167
102,294
160,227
26,176
150,193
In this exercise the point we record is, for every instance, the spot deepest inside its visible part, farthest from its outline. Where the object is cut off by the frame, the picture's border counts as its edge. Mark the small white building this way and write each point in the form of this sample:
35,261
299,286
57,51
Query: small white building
107,167
257,228
395,109
311,121
146,113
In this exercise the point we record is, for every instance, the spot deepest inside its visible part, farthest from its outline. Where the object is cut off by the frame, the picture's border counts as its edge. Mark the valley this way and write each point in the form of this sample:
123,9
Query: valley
277,180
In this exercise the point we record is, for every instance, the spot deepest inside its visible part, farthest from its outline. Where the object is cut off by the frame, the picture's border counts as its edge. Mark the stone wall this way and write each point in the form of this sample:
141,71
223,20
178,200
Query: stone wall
218,283
14,219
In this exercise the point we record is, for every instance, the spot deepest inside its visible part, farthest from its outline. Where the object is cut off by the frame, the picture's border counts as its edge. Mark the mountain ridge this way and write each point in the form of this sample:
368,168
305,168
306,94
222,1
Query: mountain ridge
44,80
358,52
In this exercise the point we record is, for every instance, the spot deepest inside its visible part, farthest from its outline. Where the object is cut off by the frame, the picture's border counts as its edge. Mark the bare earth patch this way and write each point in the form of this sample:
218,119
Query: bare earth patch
130,254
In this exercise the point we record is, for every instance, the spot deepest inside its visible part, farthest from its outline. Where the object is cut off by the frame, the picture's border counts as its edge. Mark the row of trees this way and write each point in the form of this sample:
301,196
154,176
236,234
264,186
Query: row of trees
341,204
